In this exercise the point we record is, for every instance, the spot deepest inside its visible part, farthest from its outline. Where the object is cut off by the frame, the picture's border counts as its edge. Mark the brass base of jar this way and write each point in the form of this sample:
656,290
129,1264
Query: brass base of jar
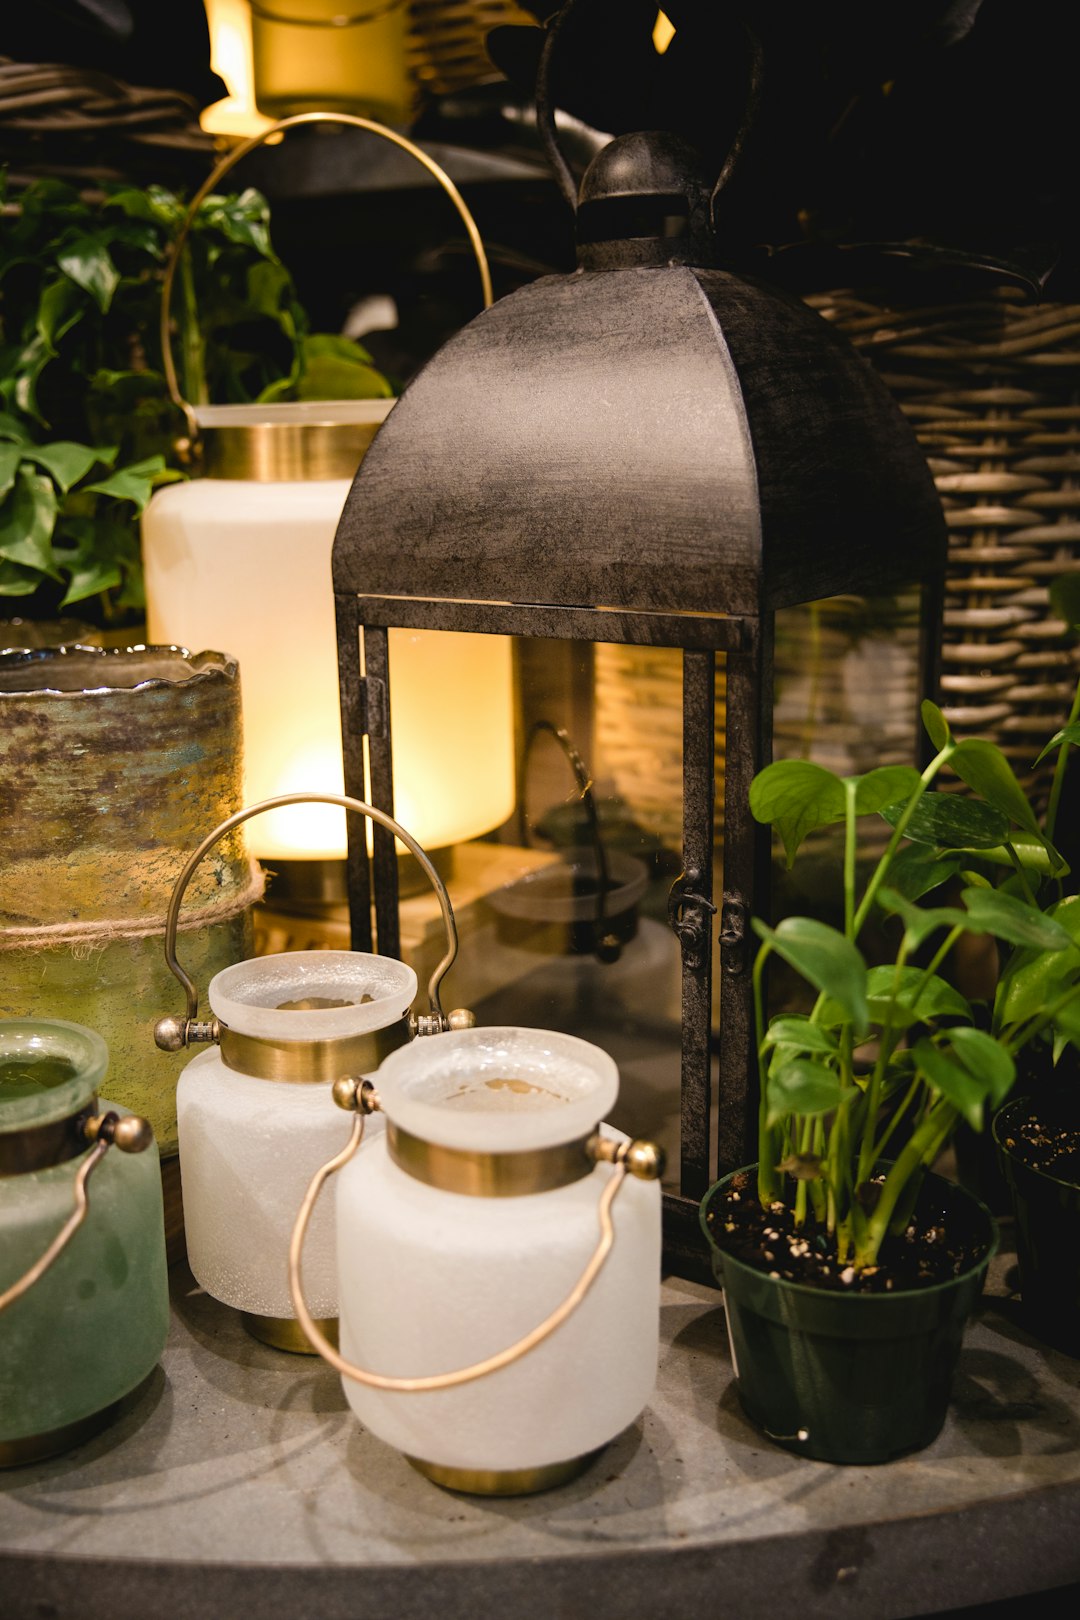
31,1448
504,1481
285,1333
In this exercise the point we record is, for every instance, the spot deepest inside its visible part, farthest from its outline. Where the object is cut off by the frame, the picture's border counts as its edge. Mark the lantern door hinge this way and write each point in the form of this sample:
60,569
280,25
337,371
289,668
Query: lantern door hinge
734,918
688,914
373,709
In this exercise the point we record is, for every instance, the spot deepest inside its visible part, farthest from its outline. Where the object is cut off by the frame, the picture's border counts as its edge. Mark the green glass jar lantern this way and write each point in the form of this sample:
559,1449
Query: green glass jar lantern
84,1307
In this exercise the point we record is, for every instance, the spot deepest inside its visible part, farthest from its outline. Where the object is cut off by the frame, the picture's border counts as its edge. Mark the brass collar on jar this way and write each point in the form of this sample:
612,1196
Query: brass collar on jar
311,1062
491,1175
39,1147
286,452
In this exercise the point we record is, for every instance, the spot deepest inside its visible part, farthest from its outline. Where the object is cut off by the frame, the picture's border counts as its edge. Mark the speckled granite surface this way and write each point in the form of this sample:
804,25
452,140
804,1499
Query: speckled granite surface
238,1477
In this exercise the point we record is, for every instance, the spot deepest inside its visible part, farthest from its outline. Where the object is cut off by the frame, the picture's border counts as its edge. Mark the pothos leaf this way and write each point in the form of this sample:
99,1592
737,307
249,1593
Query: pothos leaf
946,821
796,796
937,727
825,958
1067,734
1015,921
802,1086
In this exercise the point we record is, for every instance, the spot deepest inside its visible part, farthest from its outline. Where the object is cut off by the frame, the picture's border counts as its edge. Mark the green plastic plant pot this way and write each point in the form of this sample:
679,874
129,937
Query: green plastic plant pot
1047,1214
849,1378
93,1324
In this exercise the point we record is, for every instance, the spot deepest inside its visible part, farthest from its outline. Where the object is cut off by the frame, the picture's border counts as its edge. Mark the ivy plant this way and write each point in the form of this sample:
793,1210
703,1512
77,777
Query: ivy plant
860,1095
87,429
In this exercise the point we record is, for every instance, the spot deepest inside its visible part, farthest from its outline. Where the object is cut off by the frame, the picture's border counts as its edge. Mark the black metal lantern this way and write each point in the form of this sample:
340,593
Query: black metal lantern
677,491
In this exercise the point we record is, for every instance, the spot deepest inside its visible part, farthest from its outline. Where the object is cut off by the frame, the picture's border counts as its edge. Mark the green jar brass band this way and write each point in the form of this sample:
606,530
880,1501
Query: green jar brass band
33,1448
39,1147
311,1062
490,1175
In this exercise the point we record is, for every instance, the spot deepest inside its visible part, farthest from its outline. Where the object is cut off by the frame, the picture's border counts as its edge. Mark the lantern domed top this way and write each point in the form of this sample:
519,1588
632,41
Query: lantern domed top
642,434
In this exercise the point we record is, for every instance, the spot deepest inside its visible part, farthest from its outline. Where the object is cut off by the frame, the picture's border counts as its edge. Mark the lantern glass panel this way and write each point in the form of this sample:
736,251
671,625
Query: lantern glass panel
848,685
539,944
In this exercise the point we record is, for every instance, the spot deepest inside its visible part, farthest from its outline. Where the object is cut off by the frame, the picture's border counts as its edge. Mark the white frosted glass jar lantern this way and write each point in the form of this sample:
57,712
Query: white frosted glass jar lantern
256,1120
485,1331
255,1113
239,558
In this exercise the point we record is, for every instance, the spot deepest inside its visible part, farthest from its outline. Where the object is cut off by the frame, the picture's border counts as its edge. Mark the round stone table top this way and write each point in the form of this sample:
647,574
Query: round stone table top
238,1479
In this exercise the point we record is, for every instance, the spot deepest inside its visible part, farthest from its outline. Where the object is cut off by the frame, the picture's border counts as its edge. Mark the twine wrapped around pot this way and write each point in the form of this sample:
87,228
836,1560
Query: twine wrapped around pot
992,388
112,766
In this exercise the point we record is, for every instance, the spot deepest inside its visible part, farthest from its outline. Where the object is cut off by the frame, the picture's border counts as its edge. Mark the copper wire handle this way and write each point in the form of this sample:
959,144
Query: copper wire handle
236,156
478,1369
345,803
66,1232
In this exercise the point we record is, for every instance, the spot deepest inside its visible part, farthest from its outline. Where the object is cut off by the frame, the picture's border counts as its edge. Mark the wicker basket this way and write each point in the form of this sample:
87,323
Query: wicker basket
992,389
446,41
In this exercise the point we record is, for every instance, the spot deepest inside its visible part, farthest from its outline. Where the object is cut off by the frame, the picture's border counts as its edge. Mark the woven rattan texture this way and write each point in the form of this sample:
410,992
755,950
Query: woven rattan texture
446,41
992,388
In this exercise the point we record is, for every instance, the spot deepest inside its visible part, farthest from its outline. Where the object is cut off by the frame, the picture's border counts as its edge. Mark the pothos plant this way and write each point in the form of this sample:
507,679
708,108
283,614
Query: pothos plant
87,429
859,1096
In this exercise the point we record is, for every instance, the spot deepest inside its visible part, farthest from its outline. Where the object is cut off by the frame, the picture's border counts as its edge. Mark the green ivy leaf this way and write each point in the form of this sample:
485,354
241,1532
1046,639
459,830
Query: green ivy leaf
1016,921
937,727
799,1032
802,1087
11,428
27,519
91,578
10,457
825,958
67,461
986,1059
954,1081
88,263
59,309
947,821
134,483
18,581
796,796
28,368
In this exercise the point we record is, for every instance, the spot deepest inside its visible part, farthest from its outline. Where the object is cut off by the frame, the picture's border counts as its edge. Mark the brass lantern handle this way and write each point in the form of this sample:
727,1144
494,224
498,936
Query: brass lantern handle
130,1134
171,1034
236,156
642,1159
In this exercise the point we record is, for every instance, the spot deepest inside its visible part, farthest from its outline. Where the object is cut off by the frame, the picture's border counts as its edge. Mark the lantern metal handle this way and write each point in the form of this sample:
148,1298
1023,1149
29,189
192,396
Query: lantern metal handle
131,1134
607,949
236,156
545,108
642,1159
172,1034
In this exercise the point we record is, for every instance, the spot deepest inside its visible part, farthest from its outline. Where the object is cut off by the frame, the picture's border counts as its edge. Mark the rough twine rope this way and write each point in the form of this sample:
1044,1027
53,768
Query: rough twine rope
86,937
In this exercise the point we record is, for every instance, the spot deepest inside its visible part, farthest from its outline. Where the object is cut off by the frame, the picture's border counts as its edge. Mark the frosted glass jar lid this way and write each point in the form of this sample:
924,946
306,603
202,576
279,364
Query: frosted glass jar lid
502,1089
312,995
